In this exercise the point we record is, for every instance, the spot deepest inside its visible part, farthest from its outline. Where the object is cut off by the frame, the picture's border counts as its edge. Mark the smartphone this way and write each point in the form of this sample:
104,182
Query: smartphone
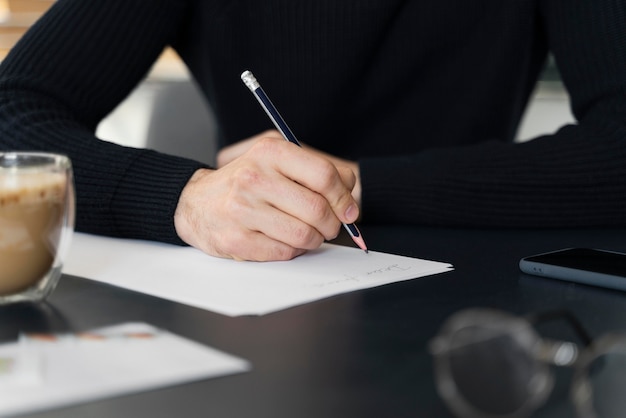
582,265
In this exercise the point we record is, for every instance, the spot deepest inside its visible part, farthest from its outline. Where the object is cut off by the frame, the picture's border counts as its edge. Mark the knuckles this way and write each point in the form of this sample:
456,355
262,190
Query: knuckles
306,236
283,253
326,176
246,176
348,176
318,208
268,145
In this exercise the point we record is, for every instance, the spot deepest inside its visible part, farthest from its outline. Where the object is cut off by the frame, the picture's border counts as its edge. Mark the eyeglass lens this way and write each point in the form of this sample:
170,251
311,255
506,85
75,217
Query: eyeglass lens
607,383
492,371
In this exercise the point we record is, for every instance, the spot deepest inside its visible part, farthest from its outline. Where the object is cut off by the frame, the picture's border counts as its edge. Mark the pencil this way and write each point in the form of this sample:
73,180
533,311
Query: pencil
249,80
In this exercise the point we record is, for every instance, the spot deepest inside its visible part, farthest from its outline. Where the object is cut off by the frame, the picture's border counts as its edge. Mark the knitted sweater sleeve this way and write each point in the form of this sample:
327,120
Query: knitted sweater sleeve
575,177
68,72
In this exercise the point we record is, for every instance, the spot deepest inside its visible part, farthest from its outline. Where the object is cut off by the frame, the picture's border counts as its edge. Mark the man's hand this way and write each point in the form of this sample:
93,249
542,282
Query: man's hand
231,152
274,201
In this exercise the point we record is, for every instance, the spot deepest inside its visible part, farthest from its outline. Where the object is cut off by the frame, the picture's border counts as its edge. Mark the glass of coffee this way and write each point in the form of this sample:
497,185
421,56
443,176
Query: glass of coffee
36,223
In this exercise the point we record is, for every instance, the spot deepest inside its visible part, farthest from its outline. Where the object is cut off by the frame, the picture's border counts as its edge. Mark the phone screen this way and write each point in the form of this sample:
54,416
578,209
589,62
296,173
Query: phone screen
600,261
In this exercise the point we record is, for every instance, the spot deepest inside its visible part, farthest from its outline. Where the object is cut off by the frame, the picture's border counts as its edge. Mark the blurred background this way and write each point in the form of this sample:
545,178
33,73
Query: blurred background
167,104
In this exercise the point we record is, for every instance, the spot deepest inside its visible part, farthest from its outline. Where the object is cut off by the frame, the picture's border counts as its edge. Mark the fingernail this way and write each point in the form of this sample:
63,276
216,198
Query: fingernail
351,213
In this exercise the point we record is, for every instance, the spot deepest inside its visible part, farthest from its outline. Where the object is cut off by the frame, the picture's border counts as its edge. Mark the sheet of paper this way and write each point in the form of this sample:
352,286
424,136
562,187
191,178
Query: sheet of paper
44,371
186,275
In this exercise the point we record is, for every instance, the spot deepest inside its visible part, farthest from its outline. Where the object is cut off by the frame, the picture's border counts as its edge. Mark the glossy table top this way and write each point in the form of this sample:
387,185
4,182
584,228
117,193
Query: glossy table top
361,354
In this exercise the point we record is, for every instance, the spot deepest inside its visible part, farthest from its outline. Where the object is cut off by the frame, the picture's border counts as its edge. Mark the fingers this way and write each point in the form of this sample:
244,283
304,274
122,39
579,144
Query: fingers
311,169
258,247
240,224
236,150
348,177
272,203
320,175
224,224
289,211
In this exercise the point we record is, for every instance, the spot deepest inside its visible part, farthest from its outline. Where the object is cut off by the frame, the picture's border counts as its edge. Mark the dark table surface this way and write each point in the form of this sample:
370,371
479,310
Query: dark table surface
361,354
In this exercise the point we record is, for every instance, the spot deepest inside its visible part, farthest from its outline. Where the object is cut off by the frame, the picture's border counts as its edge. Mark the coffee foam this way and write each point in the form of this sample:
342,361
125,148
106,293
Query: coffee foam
33,187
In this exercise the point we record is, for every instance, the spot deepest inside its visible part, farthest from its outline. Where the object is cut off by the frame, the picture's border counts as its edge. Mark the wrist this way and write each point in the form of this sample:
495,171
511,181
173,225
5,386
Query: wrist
183,218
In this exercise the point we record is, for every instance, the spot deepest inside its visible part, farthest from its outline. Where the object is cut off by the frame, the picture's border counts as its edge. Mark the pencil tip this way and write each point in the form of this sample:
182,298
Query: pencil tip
356,236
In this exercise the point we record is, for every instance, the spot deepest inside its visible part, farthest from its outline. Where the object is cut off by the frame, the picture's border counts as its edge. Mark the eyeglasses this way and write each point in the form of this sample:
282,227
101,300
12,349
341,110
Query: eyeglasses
489,363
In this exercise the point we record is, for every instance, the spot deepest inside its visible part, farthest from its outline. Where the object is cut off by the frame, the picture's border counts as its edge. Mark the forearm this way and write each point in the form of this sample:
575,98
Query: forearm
54,91
120,191
571,179
575,177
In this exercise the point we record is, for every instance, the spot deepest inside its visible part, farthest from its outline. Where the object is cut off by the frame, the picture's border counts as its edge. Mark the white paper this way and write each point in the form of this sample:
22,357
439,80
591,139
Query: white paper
60,370
186,275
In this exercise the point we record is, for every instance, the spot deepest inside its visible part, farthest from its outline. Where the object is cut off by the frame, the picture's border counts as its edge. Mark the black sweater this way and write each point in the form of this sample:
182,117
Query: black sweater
426,95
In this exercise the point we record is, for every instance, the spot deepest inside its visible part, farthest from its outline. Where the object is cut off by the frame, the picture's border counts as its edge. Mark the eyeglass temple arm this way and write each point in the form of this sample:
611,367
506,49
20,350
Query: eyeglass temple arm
554,315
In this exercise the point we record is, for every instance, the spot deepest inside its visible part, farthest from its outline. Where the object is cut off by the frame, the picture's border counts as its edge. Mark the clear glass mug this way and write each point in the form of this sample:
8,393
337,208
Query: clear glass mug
36,223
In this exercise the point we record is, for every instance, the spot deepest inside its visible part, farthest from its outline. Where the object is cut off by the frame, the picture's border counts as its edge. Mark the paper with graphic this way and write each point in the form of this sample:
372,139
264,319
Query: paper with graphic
44,371
186,275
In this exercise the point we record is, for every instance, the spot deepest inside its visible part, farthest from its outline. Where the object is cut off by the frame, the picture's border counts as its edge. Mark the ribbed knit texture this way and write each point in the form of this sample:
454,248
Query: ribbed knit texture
426,95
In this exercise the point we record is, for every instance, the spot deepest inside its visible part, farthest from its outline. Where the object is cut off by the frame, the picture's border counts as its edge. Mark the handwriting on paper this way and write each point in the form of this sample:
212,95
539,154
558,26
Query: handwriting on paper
393,267
351,277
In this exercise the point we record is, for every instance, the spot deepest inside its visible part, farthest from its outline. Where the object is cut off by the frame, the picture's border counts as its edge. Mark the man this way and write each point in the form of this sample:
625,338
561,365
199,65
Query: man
408,109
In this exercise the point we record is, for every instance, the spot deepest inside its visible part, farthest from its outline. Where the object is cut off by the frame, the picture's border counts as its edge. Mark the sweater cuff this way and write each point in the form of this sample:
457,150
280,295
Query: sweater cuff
144,203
